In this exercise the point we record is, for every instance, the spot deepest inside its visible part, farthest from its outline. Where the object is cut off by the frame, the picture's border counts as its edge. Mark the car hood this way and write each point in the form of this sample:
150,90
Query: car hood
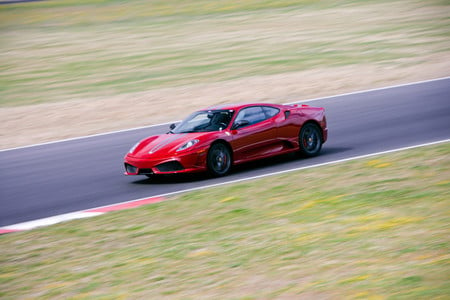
166,144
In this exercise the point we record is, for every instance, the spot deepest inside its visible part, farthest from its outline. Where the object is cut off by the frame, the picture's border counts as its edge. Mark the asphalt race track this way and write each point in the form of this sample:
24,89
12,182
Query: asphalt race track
47,180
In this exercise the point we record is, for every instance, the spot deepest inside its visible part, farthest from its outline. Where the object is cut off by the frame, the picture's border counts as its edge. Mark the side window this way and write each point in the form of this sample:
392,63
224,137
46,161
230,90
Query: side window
253,115
270,111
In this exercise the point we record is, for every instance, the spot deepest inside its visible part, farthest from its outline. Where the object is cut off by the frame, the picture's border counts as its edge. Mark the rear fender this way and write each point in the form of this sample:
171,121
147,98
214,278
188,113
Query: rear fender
316,115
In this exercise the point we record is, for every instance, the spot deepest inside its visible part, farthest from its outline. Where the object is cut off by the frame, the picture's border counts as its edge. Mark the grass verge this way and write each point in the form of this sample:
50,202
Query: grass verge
368,229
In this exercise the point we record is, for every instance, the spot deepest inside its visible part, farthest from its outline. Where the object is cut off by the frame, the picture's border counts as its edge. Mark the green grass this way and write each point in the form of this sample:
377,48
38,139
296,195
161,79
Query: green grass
367,229
62,50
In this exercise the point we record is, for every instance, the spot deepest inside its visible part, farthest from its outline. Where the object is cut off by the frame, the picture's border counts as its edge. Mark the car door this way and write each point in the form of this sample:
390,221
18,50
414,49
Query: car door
257,137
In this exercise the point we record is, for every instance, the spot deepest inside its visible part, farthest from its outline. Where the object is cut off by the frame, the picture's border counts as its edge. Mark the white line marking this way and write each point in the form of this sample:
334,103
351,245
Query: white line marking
156,125
51,220
85,214
303,168
87,136
372,90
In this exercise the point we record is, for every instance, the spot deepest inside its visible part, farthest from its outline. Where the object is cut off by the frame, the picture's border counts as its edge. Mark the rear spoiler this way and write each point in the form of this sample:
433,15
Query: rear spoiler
299,105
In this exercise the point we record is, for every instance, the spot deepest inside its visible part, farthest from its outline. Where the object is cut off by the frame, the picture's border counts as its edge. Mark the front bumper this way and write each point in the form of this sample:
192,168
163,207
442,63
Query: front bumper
185,163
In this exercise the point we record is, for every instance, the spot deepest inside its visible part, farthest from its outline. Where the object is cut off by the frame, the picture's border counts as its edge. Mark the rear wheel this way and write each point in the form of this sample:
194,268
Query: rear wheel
219,159
310,139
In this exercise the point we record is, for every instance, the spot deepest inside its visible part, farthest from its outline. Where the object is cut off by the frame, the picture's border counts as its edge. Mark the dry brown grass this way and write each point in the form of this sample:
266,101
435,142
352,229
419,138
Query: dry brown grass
279,55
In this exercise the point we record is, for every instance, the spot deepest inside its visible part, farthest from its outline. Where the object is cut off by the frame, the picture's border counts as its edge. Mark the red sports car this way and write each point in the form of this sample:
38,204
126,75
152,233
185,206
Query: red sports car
216,138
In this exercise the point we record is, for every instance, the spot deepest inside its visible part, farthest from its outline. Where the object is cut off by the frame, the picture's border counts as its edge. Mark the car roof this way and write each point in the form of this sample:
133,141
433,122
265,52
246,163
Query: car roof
240,106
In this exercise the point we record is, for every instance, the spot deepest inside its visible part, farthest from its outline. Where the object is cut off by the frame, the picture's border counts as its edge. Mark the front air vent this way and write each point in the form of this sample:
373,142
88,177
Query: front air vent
131,169
170,166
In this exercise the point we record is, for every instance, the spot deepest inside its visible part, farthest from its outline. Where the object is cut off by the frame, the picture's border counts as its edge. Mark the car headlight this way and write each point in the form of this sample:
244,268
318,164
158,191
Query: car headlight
188,145
133,148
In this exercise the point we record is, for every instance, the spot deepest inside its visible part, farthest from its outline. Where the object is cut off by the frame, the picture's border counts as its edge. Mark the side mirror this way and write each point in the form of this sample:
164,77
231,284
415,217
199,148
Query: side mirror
172,126
240,124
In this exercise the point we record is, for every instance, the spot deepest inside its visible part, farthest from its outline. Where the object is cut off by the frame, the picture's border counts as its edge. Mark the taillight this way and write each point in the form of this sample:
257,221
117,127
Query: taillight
323,123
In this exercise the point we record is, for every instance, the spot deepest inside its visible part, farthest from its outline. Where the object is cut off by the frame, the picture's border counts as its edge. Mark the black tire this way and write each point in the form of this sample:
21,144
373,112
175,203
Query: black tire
219,160
310,140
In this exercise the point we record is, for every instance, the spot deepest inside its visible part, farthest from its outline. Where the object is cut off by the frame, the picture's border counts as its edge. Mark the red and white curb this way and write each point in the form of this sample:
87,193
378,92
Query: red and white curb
79,215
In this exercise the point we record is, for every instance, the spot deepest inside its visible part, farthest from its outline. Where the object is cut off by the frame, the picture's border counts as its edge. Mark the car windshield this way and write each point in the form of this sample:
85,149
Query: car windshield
205,121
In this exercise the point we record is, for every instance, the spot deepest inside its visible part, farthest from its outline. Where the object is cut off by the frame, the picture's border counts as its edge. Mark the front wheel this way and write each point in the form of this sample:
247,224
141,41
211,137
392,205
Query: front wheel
219,159
310,139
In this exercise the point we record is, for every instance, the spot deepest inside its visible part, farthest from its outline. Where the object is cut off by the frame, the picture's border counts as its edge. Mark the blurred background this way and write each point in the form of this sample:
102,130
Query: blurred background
70,68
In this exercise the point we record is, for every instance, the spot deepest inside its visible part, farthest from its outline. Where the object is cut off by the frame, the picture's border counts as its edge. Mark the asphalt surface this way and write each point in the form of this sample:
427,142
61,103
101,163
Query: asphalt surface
47,180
